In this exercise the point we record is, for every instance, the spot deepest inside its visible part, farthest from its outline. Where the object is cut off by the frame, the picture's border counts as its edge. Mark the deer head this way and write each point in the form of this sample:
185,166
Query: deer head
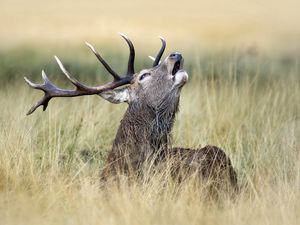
152,85
157,87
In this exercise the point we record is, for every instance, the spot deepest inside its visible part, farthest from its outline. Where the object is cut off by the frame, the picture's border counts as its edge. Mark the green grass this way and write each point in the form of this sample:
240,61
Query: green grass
246,103
220,64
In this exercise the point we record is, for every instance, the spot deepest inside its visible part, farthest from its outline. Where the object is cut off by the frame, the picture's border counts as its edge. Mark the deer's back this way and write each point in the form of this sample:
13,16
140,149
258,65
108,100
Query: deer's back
209,162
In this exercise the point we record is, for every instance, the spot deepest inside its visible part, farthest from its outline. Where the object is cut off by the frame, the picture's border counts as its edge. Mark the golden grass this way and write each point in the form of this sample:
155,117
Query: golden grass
47,178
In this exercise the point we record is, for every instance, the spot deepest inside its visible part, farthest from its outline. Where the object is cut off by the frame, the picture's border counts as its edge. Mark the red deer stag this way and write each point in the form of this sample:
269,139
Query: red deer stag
144,133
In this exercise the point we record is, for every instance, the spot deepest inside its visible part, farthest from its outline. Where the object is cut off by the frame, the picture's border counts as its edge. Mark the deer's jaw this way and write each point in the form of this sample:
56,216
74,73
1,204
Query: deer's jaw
180,78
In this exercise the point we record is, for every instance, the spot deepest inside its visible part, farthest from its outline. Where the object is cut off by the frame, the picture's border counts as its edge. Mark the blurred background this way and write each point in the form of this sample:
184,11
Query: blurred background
268,24
33,31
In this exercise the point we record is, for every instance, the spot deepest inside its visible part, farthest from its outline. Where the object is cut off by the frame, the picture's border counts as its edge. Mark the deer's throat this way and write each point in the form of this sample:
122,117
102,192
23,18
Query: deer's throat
146,129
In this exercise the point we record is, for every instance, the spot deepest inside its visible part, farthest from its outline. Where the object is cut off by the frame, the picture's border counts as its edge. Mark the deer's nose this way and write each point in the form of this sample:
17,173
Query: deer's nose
176,56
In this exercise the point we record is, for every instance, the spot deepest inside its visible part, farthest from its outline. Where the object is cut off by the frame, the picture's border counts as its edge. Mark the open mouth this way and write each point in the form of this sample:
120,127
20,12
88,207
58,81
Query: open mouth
177,67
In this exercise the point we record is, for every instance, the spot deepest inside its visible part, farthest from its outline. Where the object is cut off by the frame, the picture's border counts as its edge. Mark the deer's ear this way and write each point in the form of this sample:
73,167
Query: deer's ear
116,96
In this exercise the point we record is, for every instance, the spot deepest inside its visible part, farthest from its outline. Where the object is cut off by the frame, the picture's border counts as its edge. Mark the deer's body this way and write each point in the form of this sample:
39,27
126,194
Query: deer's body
145,138
144,135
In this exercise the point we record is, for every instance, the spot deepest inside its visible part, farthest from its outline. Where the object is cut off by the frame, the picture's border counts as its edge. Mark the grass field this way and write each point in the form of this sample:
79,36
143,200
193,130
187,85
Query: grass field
50,161
243,95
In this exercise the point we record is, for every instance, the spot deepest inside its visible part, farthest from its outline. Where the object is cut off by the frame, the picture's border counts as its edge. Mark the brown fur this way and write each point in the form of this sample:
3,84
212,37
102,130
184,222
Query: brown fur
144,135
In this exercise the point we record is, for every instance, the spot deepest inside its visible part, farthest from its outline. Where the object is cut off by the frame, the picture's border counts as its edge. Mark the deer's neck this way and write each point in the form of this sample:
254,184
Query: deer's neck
145,130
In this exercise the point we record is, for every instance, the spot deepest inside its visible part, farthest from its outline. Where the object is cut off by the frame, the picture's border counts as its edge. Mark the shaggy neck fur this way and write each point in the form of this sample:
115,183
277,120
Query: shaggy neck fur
145,129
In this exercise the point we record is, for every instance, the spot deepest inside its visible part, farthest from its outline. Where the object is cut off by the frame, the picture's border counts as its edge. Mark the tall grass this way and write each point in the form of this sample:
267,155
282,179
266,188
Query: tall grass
248,104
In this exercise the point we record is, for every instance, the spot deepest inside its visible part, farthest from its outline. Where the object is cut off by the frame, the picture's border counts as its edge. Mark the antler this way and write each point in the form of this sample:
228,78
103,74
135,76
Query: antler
130,68
161,52
51,91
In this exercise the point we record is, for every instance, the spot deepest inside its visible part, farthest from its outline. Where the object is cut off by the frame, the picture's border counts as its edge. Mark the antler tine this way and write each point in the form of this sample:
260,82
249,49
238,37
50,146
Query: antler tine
31,84
151,57
161,51
107,67
75,82
44,102
130,69
46,86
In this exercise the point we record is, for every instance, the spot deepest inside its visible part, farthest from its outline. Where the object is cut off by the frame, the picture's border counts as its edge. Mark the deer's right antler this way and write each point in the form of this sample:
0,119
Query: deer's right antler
51,91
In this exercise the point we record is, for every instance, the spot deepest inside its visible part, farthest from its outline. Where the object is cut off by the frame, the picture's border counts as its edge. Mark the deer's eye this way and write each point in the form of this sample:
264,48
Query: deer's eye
144,75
